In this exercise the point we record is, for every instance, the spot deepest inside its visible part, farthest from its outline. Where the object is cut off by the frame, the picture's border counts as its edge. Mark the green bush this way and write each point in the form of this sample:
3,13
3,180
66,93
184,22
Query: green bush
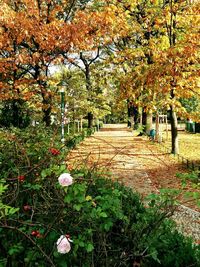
107,222
192,179
14,113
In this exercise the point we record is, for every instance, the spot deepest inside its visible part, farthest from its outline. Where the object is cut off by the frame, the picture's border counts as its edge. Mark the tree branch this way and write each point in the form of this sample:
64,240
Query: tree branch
97,55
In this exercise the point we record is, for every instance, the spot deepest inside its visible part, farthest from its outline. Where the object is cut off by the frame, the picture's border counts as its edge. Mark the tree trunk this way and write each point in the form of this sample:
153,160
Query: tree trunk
46,98
88,87
90,119
174,131
46,108
136,117
173,118
144,119
129,113
157,127
140,119
47,116
132,114
149,122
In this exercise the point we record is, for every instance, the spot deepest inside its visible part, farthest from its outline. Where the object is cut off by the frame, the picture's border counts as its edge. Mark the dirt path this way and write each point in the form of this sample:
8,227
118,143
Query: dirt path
134,161
113,149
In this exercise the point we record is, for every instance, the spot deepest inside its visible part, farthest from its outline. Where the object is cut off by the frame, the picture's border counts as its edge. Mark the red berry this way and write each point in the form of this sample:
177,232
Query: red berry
21,178
34,233
39,235
54,151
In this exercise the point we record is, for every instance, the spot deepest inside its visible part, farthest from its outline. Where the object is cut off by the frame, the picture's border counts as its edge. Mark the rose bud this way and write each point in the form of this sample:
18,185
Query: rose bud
21,178
34,233
39,235
27,207
54,151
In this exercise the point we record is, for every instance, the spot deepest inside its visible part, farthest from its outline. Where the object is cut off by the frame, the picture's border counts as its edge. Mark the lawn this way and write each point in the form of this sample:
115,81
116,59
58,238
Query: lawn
189,144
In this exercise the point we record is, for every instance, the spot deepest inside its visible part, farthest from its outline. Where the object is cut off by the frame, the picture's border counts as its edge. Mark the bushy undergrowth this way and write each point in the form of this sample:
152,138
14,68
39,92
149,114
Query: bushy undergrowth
107,222
192,179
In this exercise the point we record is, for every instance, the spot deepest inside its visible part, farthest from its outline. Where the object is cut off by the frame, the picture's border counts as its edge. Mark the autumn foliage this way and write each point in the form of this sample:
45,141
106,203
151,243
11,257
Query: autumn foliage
35,35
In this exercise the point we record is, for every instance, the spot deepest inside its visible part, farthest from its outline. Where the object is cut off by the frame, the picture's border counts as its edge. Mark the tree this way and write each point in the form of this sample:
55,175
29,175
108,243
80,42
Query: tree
15,113
37,34
164,55
33,32
177,66
79,101
104,23
133,54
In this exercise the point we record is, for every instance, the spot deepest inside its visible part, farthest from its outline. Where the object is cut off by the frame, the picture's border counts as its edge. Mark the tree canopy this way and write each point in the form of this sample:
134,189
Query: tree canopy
151,48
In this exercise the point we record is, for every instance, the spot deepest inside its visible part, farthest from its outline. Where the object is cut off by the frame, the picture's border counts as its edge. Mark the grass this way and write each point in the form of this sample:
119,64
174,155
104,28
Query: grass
189,144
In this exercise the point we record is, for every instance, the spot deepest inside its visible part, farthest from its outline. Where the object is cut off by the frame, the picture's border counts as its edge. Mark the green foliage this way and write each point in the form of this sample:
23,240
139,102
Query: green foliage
72,141
107,222
14,113
5,210
190,104
141,129
79,100
193,178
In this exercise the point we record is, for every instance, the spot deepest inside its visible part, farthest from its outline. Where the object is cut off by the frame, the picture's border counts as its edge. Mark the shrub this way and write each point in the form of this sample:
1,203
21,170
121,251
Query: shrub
15,113
107,222
193,180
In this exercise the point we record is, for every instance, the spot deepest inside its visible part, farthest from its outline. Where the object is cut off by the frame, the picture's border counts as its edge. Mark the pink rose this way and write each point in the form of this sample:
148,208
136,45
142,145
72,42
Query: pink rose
65,179
63,245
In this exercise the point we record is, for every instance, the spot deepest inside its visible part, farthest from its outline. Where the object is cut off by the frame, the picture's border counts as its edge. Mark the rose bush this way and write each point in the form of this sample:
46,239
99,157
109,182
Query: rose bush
107,222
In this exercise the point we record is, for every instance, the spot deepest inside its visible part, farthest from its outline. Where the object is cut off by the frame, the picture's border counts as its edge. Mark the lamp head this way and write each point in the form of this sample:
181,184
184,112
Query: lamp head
62,85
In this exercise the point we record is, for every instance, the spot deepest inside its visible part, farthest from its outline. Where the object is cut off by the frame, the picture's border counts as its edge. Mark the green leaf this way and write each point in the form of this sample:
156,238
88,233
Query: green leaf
81,244
108,225
89,247
33,186
154,255
15,249
77,207
68,198
103,215
44,173
63,168
56,254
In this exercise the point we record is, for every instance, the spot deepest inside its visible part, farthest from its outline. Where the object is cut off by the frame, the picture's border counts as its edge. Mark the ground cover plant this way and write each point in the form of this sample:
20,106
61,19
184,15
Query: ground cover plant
192,179
46,204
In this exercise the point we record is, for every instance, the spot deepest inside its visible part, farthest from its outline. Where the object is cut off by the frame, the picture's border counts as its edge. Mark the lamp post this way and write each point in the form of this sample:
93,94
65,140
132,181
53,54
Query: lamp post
62,86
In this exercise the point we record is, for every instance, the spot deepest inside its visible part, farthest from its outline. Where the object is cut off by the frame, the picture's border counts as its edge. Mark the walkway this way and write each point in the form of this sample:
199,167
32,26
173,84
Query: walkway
113,150
137,163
